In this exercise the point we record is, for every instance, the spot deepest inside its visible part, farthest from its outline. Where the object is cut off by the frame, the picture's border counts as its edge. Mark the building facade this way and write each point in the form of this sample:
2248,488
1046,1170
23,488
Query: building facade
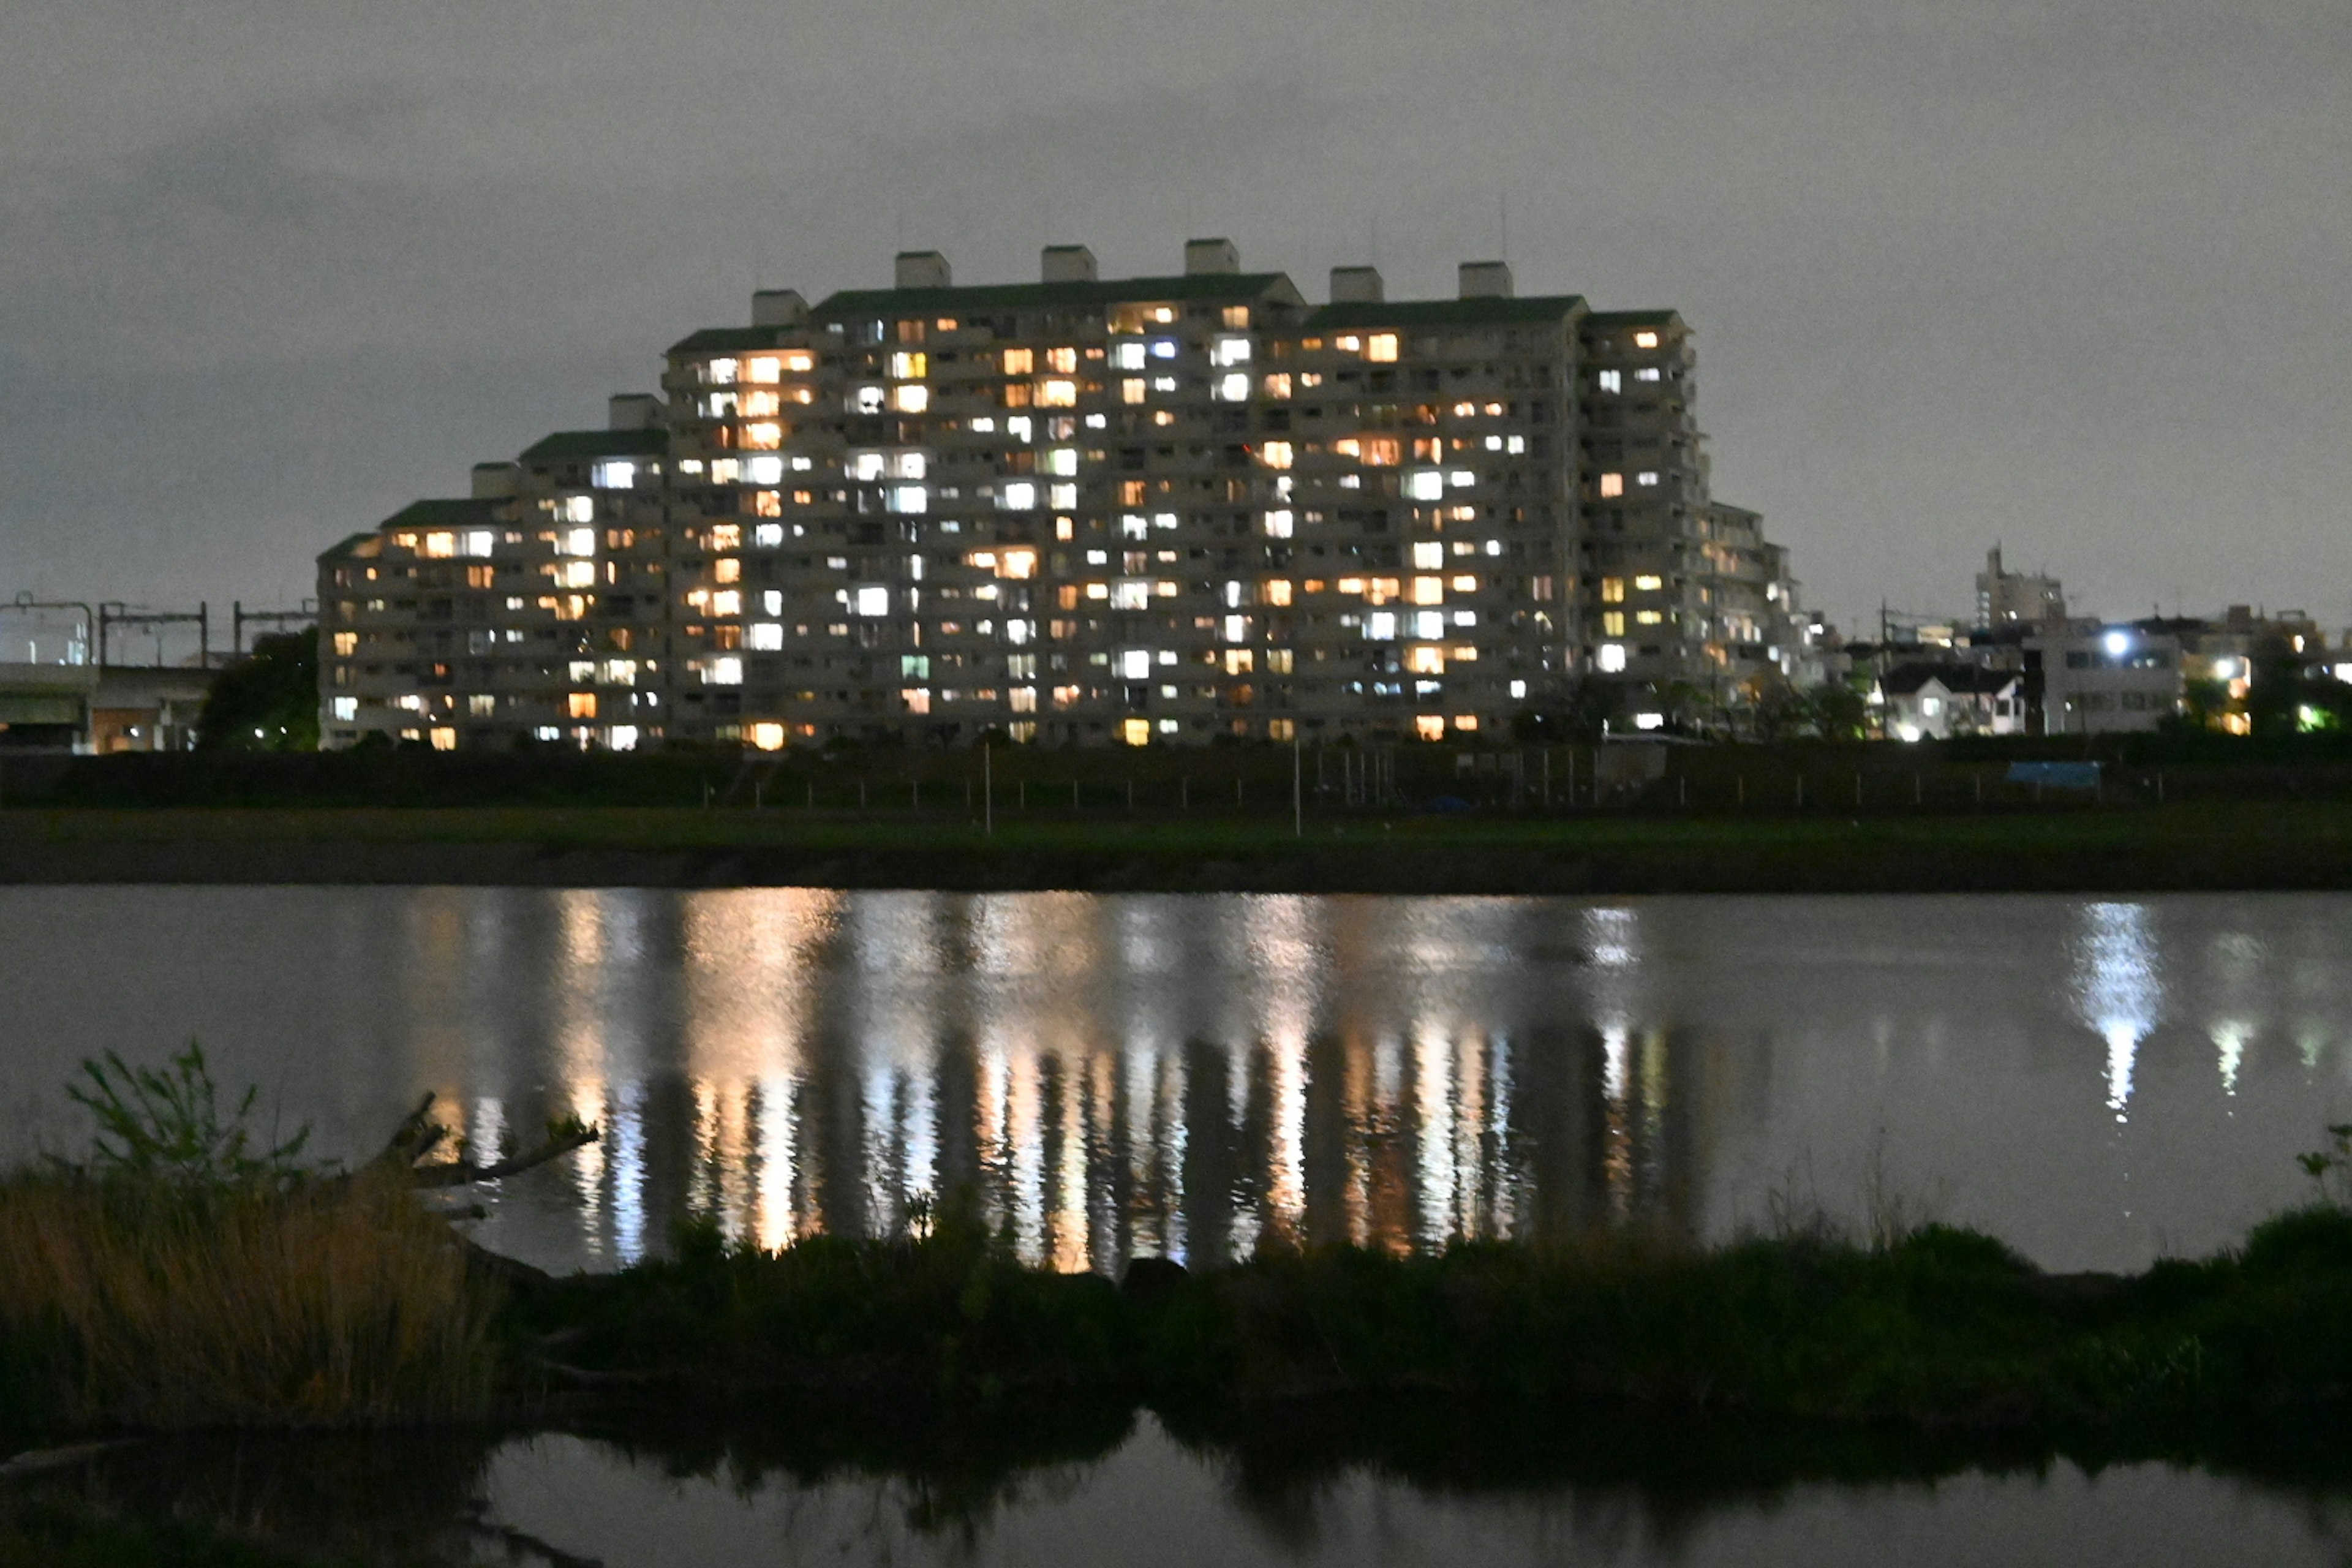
1144,511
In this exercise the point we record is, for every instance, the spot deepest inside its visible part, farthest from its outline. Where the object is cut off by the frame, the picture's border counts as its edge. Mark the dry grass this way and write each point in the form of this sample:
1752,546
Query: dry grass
131,1303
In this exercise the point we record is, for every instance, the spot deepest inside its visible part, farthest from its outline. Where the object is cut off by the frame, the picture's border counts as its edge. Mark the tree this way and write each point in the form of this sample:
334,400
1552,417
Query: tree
268,700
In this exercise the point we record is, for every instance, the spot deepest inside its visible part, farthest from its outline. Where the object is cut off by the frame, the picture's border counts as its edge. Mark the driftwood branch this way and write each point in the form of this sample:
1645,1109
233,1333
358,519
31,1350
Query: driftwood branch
419,1135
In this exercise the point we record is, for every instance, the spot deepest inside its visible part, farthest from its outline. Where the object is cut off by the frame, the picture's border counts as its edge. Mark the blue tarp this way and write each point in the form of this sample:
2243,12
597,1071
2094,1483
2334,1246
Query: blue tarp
2056,775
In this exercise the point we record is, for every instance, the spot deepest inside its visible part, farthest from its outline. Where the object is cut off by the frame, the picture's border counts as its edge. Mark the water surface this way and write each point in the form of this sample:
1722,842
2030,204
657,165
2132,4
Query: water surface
2097,1081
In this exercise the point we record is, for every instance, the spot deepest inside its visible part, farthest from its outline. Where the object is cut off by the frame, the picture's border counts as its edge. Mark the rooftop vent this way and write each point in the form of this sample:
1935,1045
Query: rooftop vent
1067,264
1485,280
494,481
922,269
779,308
1210,256
633,411
1357,286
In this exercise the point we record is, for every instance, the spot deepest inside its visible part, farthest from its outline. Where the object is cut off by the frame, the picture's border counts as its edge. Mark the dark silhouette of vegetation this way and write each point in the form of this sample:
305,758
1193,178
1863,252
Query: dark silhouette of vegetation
268,700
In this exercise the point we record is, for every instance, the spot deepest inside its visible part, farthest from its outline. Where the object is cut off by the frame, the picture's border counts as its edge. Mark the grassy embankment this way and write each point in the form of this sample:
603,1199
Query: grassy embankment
2192,846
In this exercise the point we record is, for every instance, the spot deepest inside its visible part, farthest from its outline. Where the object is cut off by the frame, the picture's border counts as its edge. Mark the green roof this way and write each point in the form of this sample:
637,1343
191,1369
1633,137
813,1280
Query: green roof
1497,309
354,546
470,513
566,444
738,340
1049,296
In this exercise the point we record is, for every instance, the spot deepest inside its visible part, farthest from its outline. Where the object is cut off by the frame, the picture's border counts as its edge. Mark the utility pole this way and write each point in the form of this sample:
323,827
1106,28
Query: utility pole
1298,801
987,789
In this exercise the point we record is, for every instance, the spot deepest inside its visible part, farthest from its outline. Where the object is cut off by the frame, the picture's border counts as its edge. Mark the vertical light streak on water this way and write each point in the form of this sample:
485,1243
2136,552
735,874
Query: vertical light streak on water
576,995
1284,966
991,1115
2230,1036
1652,1176
629,1172
1106,1238
436,953
879,1088
485,1130
1356,1104
1472,1201
1025,1154
1242,1232
1070,1227
2118,990
921,1138
1617,1122
1613,939
774,1222
1433,1112
1503,1182
1171,1115
1146,1146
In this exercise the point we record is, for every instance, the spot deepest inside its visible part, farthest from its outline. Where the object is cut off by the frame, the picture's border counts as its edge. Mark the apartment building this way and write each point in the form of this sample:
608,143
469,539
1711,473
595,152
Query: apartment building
1157,510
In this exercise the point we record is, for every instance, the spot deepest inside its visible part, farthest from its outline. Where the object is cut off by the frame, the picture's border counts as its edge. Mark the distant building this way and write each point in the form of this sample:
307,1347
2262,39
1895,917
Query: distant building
1935,702
1082,510
2006,598
2085,678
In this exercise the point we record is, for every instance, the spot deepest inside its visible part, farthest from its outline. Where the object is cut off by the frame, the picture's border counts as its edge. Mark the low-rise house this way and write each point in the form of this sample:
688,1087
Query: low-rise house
1924,700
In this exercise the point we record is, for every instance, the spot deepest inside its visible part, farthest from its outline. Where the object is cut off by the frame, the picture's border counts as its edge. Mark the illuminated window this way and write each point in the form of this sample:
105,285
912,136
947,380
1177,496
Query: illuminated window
1646,476
723,672
577,574
910,398
1277,592
1646,584
722,371
762,369
1277,524
767,736
1428,555
1645,339
1611,381
1649,619
1236,317
1275,454
765,437
1612,623
1426,661
727,601
1426,484
1465,584
1135,731
1232,388
1057,394
909,366
1277,386
347,643
1429,590
583,705
1612,658
1131,390
727,570
1612,485
1016,497
1019,361
1430,726
1063,360
1382,348
873,600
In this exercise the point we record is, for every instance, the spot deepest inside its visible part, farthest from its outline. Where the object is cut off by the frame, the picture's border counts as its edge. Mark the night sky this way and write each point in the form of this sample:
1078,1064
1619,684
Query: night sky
2071,276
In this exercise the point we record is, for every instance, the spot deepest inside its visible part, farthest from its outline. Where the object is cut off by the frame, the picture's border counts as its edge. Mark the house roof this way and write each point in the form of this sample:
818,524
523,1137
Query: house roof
574,443
472,512
1959,679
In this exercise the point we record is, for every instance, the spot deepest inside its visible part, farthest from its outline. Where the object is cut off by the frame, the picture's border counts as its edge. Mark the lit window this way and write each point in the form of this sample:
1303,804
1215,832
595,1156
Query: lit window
1277,592
908,498
347,708
1647,372
1424,484
1645,339
583,705
721,372
1646,584
906,367
1233,388
614,474
727,601
1057,394
1465,584
1277,524
1275,454
1016,497
767,736
1611,381
873,600
1382,348
764,470
1612,658
723,672
579,509
1430,726
1612,623
1646,476
1131,390
1429,555
1019,361
765,636
1229,352
1612,485
910,397
762,369
1277,386
765,437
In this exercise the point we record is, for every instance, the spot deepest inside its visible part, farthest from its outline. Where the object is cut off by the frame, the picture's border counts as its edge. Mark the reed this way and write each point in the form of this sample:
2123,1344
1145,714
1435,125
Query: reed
138,1302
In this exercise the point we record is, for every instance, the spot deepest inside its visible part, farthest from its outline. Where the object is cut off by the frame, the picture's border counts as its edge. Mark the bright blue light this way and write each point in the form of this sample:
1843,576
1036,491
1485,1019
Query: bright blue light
2117,643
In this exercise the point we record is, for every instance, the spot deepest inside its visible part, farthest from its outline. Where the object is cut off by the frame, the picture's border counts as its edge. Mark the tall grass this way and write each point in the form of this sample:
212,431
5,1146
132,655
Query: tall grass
136,1302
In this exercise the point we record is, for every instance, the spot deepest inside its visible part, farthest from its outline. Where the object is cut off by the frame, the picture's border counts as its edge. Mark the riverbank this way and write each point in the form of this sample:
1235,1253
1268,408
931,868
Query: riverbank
2183,848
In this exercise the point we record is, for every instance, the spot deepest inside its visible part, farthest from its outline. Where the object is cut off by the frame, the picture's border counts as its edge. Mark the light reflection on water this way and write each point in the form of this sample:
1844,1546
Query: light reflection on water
2097,1081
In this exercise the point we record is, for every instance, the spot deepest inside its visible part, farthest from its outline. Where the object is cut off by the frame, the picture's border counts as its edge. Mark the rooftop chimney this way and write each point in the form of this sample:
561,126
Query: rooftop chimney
922,269
633,411
1067,264
1357,286
779,308
1210,256
494,481
1485,280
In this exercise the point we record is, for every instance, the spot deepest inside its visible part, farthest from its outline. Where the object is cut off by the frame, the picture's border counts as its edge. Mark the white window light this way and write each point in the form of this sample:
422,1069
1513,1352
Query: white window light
1229,352
1611,381
1649,720
772,600
1128,356
1135,664
1647,372
576,541
1019,496
872,600
347,708
1018,426
765,636
1063,498
580,509
1232,388
768,471
1062,460
614,474
1518,689
478,542
1461,479
1277,524
1163,383
1424,484
767,535
1163,348
1612,658
725,671
909,499
1237,628
1429,625
1646,476
722,371
1380,625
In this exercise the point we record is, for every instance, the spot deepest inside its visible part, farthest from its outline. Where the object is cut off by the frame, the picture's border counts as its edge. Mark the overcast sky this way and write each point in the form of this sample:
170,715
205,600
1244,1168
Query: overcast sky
2071,276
